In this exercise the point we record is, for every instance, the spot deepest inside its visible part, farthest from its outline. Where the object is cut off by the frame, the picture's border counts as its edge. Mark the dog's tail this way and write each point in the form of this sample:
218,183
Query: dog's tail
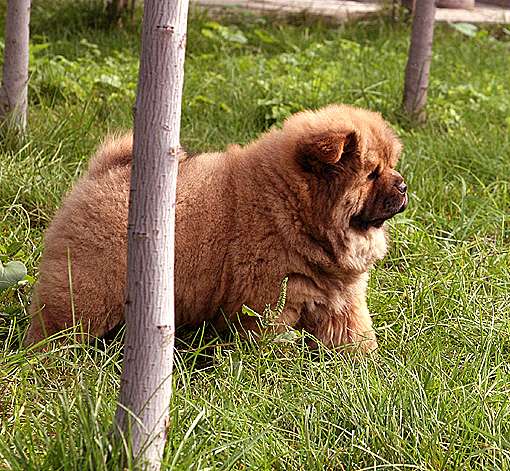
116,151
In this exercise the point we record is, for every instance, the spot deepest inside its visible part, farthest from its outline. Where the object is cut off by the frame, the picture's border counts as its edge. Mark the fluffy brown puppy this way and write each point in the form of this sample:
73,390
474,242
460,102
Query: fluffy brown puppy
307,201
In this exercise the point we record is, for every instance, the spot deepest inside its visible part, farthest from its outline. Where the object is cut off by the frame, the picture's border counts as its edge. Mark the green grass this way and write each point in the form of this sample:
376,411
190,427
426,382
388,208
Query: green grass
436,395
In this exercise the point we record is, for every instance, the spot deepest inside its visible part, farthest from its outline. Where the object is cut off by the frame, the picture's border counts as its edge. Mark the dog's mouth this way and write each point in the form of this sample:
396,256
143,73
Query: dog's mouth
362,222
365,224
404,204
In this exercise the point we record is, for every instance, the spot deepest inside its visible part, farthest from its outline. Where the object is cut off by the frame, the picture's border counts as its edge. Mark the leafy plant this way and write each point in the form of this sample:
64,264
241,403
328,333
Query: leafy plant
111,77
467,29
11,274
220,33
269,316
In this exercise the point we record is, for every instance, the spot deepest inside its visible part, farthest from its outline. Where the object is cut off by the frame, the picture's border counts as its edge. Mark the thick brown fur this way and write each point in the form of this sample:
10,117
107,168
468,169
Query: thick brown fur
307,202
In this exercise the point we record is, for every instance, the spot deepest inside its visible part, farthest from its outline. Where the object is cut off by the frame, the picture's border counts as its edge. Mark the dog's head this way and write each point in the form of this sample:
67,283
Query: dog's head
348,156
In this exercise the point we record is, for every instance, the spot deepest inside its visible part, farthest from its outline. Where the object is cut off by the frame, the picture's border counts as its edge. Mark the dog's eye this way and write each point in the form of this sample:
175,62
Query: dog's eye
374,174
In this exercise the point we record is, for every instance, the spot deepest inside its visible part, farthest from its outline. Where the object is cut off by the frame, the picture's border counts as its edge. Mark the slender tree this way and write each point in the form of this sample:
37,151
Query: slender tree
116,9
132,8
143,411
14,91
418,63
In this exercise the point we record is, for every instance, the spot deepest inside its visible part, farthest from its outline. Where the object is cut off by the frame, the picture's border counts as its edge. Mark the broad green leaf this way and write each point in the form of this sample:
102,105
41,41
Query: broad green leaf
34,48
234,36
290,336
214,25
265,37
465,28
247,311
11,274
112,80
208,33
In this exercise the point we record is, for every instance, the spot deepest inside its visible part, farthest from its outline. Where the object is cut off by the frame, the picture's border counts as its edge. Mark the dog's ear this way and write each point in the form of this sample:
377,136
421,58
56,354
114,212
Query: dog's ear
327,147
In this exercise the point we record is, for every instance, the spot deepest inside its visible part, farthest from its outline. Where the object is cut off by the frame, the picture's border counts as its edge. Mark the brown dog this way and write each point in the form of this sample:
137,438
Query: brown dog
307,202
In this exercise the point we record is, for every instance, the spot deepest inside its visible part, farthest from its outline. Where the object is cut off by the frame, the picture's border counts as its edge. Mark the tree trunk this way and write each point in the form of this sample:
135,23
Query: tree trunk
115,9
418,64
146,378
132,8
409,4
14,91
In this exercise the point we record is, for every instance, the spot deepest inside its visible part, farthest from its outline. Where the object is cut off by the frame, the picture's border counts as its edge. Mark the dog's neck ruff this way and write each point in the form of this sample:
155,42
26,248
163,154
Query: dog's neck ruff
363,249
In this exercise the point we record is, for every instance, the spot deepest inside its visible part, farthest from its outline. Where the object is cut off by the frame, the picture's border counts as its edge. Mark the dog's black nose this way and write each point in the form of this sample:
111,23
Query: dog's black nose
402,187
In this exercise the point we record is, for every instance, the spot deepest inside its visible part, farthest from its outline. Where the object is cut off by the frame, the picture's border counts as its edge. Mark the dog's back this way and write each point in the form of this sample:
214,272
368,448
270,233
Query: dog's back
83,268
116,151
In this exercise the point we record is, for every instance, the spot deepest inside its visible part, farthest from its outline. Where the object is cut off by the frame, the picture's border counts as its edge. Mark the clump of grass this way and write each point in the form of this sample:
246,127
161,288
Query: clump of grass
435,394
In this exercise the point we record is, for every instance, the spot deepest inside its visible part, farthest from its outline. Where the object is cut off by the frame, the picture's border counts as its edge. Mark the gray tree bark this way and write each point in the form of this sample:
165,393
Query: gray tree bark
146,381
14,91
418,64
